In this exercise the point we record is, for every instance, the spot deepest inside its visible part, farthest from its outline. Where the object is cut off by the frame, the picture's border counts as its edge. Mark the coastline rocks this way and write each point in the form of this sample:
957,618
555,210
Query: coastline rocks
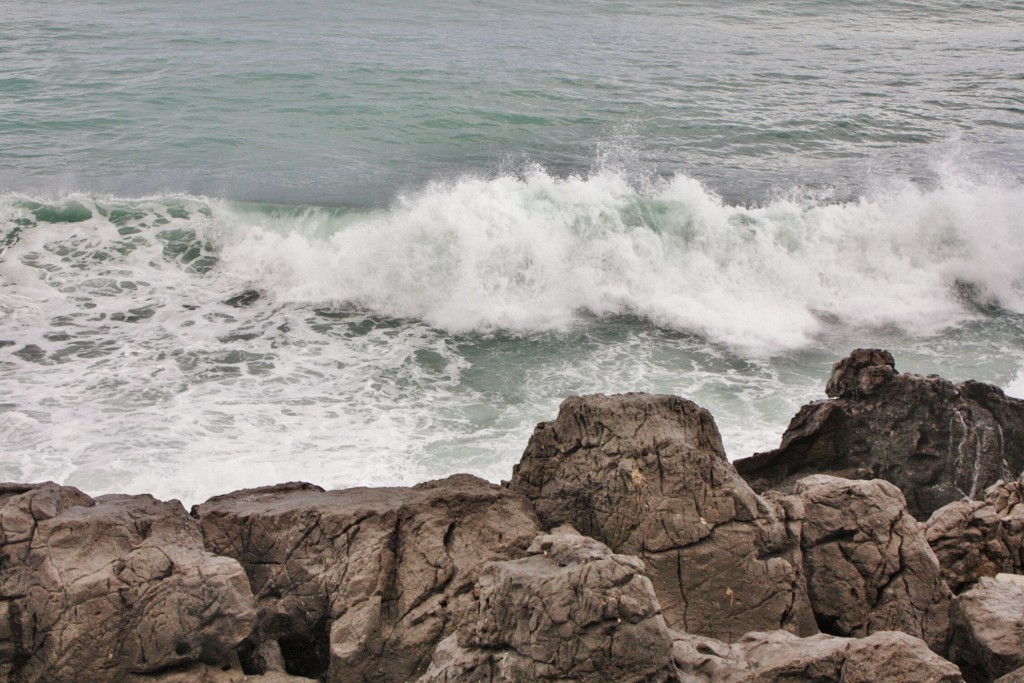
107,587
781,657
361,584
988,630
936,441
974,538
569,610
867,563
647,476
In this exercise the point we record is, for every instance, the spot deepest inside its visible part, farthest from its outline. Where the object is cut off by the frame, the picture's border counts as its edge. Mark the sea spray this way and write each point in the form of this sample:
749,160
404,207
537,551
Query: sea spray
187,346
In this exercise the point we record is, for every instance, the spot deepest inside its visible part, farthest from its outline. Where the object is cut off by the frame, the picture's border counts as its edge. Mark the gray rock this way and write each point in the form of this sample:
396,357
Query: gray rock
100,589
974,538
361,584
987,638
203,673
936,441
867,563
781,657
570,610
647,476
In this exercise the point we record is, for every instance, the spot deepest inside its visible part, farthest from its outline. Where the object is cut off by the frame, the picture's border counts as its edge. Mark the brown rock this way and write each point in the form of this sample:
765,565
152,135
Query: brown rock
99,589
867,563
781,657
976,538
936,441
570,610
987,638
647,476
361,584
203,673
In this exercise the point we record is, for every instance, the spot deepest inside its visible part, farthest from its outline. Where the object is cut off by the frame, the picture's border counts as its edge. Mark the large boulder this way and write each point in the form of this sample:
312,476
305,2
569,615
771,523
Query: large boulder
647,476
935,440
100,589
867,563
976,538
987,638
361,584
781,657
570,610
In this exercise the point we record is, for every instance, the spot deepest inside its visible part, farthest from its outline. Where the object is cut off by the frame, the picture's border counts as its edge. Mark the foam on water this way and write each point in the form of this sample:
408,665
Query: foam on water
188,346
530,253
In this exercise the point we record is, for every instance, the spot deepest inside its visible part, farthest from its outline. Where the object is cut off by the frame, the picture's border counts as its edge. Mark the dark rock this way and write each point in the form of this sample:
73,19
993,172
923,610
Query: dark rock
647,476
781,657
867,563
100,589
936,441
203,673
987,638
975,538
361,584
570,610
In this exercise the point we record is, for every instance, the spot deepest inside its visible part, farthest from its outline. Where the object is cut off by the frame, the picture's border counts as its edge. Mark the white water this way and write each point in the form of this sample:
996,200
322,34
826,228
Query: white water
396,345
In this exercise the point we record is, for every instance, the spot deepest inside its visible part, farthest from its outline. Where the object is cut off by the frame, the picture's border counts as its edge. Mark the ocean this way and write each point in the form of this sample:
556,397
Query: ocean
360,243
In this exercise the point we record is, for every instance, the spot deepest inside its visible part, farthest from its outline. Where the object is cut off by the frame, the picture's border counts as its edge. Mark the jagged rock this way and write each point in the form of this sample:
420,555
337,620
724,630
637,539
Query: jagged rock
570,610
100,589
987,639
1016,676
361,584
867,563
936,441
781,657
975,538
647,476
203,673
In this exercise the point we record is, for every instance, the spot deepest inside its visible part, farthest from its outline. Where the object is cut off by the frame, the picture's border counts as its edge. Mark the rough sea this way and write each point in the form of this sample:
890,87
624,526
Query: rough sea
373,243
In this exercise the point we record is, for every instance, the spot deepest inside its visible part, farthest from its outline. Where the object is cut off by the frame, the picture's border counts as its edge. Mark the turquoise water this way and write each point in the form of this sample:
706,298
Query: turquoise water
361,243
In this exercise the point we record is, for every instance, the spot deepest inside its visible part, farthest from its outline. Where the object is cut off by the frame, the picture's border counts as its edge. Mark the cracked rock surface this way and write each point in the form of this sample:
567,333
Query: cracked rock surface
781,657
988,630
361,584
100,589
867,563
936,441
646,475
570,610
975,538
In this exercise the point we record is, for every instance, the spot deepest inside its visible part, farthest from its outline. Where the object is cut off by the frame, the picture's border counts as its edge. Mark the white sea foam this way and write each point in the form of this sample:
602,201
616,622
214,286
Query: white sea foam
531,253
396,345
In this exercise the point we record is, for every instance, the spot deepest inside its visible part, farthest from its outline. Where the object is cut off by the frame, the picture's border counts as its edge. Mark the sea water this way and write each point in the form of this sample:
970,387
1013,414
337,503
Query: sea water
375,243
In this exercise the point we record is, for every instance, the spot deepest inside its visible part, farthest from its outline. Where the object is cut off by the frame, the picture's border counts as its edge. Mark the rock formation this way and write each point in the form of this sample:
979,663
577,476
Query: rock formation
976,538
679,573
570,610
647,476
936,441
988,630
781,657
868,565
361,584
101,589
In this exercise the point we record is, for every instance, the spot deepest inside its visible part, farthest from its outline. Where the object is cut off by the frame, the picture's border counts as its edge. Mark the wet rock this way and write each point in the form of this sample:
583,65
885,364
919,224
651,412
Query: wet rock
97,589
975,538
570,610
936,441
867,563
781,657
361,584
987,638
647,476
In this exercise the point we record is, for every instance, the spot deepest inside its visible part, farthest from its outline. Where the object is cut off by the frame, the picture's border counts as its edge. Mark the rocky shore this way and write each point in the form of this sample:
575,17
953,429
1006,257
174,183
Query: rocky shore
882,541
